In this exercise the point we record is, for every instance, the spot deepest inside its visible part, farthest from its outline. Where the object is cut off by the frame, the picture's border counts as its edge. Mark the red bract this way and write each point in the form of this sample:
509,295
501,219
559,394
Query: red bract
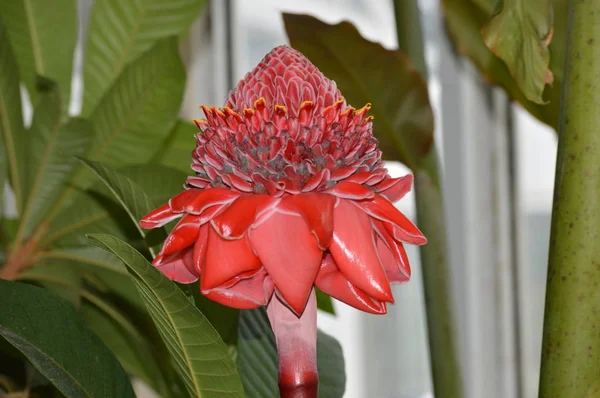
290,192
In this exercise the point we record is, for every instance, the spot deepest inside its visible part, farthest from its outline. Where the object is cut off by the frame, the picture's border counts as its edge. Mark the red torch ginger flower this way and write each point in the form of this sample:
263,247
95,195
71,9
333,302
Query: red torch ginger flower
290,192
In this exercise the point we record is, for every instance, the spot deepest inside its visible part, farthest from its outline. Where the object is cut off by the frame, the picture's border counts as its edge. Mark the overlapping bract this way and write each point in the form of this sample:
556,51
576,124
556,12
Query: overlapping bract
289,192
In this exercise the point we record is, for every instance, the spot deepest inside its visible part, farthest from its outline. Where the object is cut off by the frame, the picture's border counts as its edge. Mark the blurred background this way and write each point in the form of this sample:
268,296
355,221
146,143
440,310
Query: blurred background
498,168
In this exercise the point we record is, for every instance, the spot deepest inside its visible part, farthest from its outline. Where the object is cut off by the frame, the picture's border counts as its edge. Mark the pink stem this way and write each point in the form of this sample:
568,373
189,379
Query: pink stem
297,347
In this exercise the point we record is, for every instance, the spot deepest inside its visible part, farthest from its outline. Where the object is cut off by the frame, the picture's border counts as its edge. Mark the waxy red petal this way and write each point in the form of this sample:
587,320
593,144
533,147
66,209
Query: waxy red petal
354,251
394,189
289,253
177,266
200,248
317,211
158,217
400,269
183,235
241,214
208,198
178,202
246,294
382,209
332,282
350,190
225,259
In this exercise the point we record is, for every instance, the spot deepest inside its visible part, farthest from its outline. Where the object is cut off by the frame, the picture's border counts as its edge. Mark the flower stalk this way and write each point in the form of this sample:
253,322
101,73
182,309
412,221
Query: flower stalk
571,348
296,340
445,367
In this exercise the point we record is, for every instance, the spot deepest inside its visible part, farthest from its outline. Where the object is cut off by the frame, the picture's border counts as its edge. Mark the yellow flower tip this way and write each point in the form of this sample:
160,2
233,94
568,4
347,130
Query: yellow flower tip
348,111
340,101
219,112
230,112
281,109
205,109
200,122
369,118
306,104
248,112
260,102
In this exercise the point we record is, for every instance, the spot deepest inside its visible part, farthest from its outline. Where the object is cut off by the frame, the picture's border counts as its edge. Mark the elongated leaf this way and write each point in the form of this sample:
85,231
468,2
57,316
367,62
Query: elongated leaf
130,195
90,212
200,354
129,352
159,182
53,159
464,21
176,151
257,359
11,119
50,333
369,73
120,31
136,114
95,212
520,34
62,279
43,36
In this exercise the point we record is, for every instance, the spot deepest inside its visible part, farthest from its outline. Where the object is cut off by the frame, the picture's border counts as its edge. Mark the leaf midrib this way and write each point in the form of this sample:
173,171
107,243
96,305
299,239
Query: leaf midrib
59,366
122,61
50,145
168,315
10,152
35,45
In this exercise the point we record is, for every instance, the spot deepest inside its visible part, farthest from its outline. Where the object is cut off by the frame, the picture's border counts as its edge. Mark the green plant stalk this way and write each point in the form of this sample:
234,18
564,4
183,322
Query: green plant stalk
571,344
445,366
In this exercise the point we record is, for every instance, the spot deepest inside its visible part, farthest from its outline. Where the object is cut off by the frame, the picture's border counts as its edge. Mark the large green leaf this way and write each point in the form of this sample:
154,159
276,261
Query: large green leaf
370,73
159,182
50,333
129,194
120,31
95,212
136,114
519,33
13,139
132,354
43,36
199,352
54,148
177,149
62,279
257,359
464,21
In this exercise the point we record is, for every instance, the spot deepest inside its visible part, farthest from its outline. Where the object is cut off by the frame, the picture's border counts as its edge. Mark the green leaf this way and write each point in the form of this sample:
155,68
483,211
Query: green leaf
132,353
129,194
13,138
324,302
140,109
62,279
120,31
90,212
50,333
177,149
159,182
43,37
369,73
257,359
464,20
519,33
54,148
200,354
